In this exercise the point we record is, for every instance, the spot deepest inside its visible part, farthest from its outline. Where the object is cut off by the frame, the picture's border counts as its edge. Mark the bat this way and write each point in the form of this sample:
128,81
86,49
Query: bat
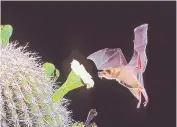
112,65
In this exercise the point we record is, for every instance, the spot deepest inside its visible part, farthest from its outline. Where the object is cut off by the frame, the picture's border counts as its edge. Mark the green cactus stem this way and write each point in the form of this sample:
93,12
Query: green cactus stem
73,82
6,32
51,71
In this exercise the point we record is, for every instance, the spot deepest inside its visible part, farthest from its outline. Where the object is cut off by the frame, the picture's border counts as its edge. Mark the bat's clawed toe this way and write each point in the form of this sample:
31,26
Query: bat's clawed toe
138,105
145,103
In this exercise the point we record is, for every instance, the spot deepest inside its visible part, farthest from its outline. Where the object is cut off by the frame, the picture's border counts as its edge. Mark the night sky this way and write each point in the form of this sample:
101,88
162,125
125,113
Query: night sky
62,31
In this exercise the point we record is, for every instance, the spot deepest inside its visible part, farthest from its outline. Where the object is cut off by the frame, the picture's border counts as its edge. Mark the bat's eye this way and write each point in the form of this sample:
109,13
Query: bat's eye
108,71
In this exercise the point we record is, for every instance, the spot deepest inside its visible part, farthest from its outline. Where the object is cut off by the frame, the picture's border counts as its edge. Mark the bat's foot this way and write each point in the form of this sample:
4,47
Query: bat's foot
145,103
138,105
146,97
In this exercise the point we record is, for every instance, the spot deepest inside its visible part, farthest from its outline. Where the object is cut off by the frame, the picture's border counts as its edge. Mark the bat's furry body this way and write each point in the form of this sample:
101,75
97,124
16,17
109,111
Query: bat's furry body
114,65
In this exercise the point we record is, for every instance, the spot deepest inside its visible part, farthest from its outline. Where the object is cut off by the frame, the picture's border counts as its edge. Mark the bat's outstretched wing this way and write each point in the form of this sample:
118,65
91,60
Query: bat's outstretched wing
139,58
108,57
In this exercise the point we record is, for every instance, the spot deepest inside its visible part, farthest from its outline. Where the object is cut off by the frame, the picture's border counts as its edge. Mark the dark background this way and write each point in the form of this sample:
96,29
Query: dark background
61,31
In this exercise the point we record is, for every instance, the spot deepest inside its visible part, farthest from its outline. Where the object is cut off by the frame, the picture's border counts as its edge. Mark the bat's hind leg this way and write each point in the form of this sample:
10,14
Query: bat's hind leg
143,91
139,99
145,96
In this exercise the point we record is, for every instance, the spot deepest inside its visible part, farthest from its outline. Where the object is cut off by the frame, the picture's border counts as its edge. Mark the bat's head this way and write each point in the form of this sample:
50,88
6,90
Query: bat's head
109,73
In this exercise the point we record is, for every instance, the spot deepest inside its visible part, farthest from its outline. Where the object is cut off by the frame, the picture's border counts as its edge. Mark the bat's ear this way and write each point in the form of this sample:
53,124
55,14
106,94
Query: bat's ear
93,71
92,64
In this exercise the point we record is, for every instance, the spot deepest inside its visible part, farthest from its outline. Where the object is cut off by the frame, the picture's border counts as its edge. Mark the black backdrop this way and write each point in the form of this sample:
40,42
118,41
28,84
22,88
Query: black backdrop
61,31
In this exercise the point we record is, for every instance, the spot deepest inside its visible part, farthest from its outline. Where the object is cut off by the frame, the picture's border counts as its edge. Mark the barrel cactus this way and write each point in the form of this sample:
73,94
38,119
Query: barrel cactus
25,90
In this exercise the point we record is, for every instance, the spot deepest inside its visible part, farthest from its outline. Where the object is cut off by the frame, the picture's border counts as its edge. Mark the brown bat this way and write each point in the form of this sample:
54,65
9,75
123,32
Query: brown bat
115,67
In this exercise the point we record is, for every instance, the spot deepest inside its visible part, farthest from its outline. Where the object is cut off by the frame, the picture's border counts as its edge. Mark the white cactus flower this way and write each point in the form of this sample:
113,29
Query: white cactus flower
80,71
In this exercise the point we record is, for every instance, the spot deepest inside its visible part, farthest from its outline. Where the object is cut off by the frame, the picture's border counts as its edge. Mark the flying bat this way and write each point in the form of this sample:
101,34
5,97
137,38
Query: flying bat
113,66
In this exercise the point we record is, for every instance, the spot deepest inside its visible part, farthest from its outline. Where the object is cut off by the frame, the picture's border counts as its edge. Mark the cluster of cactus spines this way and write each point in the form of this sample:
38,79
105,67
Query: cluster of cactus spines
26,92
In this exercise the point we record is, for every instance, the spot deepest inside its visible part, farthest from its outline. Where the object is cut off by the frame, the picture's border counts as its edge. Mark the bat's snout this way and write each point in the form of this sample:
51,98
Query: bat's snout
101,74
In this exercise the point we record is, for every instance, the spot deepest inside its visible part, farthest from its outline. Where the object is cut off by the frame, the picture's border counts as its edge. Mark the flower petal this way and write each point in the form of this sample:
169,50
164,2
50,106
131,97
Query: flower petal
80,70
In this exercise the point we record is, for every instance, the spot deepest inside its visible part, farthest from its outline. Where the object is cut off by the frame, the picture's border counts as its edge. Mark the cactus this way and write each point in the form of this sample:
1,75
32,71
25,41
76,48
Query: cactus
26,92
26,88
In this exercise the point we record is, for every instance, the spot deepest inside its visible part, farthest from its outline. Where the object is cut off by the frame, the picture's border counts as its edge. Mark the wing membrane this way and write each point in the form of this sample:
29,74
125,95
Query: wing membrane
108,57
140,43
